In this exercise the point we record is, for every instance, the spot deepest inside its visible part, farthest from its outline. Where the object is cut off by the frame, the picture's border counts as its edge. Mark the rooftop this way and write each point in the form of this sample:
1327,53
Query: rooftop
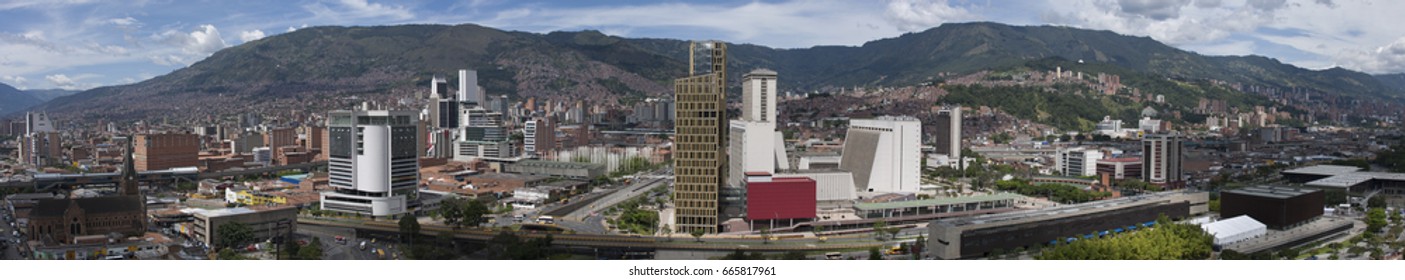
1063,211
1327,170
1272,191
1126,159
935,202
558,164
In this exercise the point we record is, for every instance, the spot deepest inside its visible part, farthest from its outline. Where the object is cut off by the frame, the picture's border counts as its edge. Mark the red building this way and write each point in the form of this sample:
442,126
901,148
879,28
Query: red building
166,151
781,201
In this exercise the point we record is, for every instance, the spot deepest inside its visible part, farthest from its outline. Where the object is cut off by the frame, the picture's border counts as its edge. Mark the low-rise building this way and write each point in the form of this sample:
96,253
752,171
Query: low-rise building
571,170
265,222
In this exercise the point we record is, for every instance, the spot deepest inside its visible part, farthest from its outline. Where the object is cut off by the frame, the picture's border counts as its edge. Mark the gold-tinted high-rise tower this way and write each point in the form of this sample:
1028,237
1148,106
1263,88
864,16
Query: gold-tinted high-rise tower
699,158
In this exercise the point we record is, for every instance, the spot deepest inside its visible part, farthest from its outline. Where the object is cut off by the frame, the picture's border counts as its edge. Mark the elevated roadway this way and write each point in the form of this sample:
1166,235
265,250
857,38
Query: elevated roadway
623,241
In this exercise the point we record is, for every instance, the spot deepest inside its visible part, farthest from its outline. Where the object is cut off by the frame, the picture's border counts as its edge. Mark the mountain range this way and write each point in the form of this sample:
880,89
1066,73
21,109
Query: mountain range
355,61
13,100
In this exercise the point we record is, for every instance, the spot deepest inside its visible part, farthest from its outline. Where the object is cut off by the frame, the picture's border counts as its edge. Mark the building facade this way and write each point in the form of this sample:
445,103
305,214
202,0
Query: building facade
60,221
166,151
1161,159
700,155
264,222
948,128
538,137
978,236
781,201
884,154
1079,161
1277,207
373,167
569,170
1112,169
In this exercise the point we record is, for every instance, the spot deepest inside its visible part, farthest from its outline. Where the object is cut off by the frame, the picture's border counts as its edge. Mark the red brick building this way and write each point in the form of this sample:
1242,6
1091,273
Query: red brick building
166,151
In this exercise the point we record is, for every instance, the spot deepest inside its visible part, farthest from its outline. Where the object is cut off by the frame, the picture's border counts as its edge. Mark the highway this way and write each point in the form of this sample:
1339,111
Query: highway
582,209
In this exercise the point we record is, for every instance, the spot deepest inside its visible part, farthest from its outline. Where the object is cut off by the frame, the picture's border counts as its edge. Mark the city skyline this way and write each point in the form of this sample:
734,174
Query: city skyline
79,45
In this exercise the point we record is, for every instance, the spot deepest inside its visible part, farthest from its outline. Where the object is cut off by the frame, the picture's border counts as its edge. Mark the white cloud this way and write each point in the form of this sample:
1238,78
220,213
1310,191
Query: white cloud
787,24
205,40
123,22
75,82
348,11
170,60
30,4
919,15
15,81
192,46
61,81
251,35
1152,9
1385,59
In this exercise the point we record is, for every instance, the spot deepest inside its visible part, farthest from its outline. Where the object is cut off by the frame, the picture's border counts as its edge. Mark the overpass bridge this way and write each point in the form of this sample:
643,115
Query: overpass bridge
621,241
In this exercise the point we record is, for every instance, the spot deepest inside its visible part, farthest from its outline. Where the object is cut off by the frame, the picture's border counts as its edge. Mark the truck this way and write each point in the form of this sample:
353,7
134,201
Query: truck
380,253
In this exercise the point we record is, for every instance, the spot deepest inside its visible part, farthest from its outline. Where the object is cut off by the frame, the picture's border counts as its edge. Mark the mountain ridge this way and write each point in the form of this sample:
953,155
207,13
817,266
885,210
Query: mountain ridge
330,61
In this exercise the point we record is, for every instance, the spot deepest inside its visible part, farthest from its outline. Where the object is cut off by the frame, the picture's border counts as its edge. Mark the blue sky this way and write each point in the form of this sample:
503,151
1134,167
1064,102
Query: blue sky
81,44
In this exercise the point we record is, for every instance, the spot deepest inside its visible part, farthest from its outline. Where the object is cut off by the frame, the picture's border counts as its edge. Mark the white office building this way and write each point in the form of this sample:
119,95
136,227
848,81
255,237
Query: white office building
884,154
373,167
754,145
1078,161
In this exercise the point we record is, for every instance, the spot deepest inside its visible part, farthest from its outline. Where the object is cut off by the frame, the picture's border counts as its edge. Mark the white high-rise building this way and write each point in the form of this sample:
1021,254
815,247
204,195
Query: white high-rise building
372,162
884,154
759,96
1079,161
754,145
469,92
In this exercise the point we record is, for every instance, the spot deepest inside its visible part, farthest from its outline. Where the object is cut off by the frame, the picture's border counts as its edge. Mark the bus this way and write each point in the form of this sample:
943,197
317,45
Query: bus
546,220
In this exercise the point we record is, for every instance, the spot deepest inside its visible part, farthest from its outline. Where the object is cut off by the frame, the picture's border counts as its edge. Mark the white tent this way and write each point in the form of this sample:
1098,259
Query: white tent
1235,229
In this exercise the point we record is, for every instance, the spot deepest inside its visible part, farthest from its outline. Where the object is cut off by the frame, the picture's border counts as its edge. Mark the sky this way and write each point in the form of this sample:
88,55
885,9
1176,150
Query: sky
81,44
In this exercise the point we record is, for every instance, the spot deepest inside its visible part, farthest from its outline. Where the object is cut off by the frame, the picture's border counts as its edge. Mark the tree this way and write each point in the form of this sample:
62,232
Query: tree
766,235
409,228
473,212
794,255
892,232
313,251
230,254
451,210
289,249
1375,220
233,234
917,247
817,230
879,228
874,253
667,232
1376,202
697,234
